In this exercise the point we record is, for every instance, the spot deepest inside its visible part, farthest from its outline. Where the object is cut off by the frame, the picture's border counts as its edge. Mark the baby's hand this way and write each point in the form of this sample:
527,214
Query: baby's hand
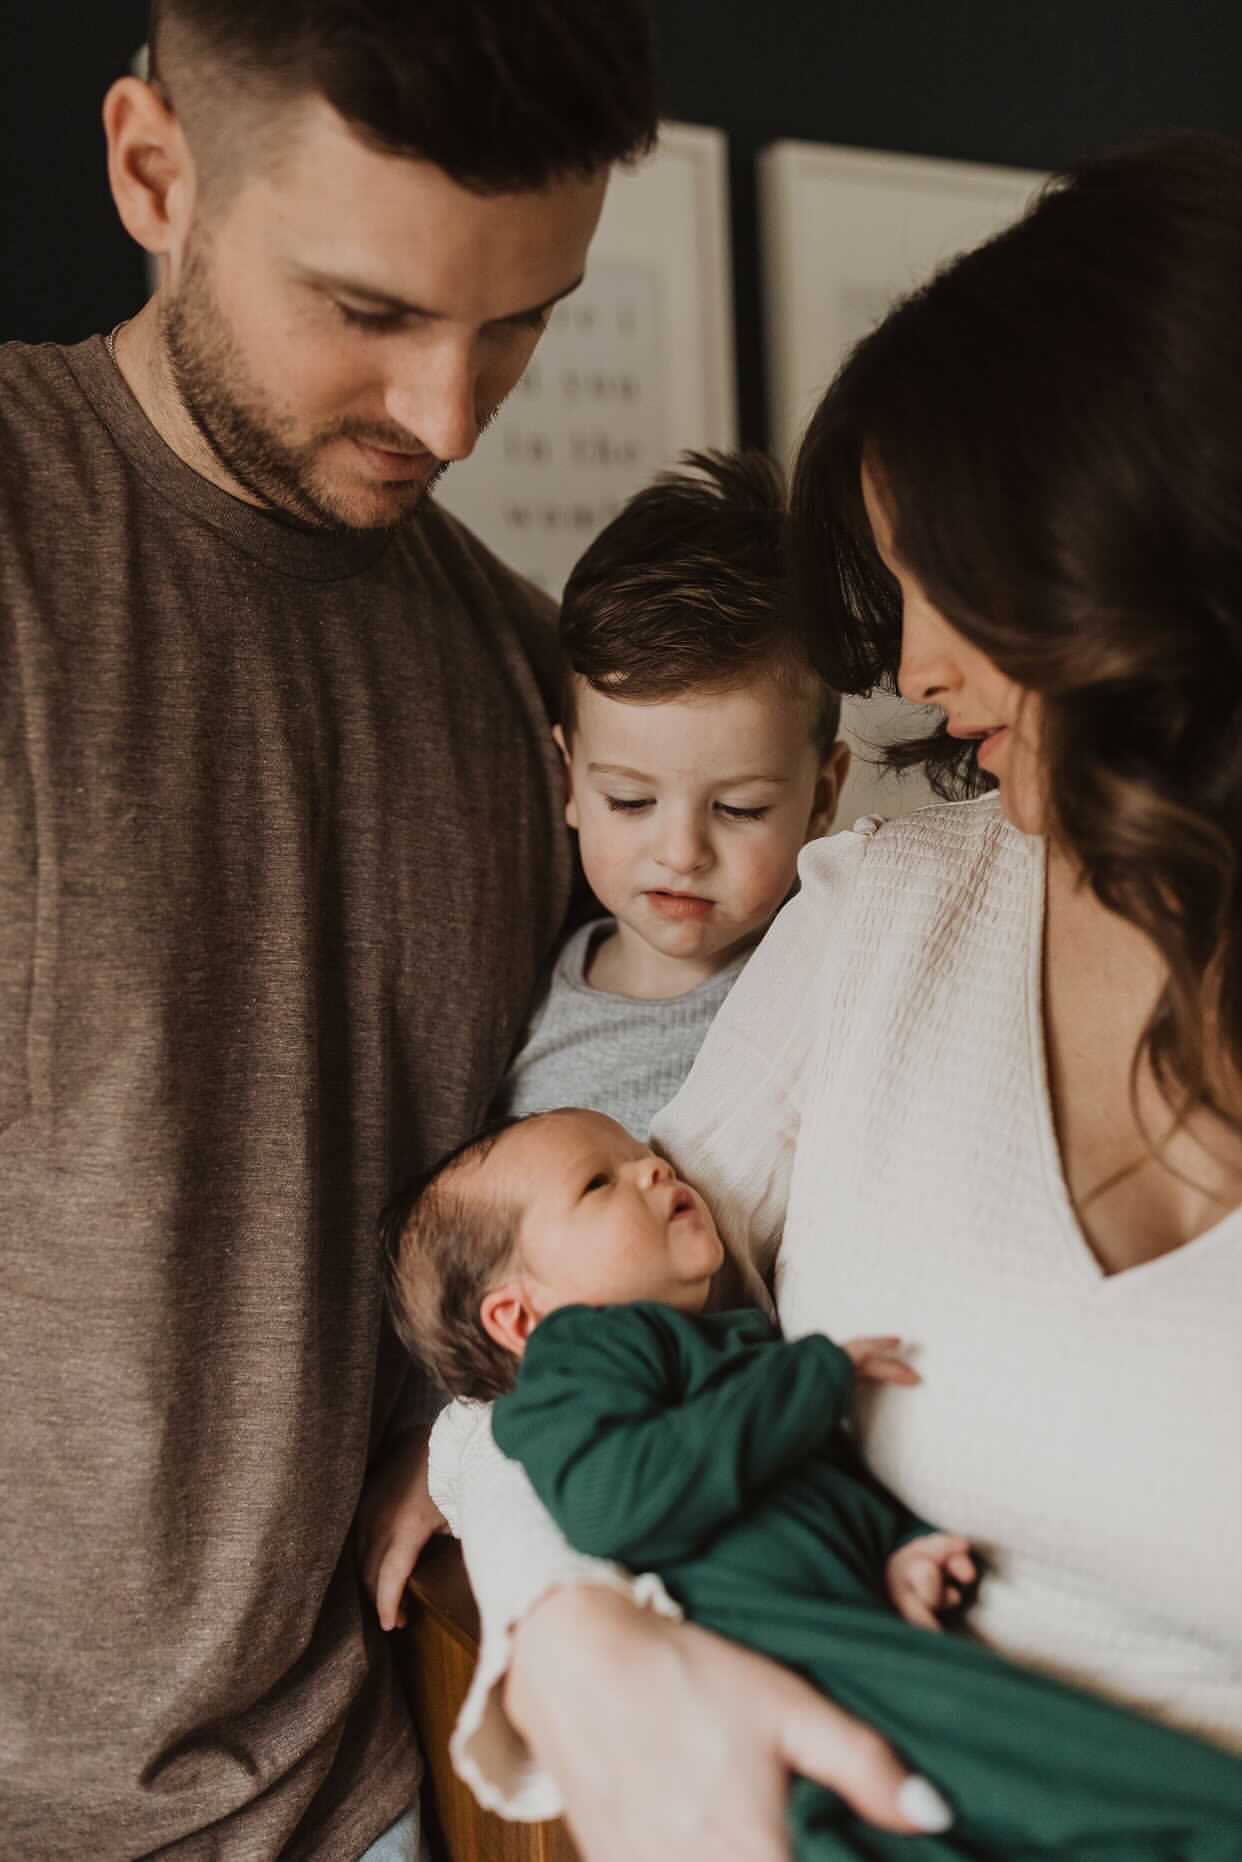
928,1576
874,1360
396,1517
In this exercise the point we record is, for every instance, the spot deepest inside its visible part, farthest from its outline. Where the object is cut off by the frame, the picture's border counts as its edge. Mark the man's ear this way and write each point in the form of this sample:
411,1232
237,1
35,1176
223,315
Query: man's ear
571,806
150,169
833,770
509,1316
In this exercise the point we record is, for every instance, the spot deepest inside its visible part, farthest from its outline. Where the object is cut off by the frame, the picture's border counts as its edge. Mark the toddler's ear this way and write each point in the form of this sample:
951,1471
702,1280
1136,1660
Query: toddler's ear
571,806
832,773
508,1316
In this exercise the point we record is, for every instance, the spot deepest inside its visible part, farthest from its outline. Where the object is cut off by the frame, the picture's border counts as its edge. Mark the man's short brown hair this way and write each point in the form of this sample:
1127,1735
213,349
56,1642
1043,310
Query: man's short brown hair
686,591
504,96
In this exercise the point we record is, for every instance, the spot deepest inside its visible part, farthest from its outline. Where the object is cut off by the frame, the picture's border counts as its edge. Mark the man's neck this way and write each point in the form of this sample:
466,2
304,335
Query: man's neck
142,361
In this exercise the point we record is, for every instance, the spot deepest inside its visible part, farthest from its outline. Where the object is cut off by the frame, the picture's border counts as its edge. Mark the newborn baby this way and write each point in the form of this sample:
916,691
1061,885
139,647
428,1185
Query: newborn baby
559,1266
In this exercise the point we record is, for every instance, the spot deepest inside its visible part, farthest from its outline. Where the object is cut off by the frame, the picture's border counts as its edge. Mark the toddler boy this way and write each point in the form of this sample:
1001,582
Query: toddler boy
701,754
560,1266
700,751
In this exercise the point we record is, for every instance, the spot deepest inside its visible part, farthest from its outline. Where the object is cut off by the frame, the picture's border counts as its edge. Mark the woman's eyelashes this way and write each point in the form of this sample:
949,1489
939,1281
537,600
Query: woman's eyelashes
632,805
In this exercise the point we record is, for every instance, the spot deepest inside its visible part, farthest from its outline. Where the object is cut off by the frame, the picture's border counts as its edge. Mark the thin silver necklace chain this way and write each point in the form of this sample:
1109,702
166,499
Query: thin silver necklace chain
110,340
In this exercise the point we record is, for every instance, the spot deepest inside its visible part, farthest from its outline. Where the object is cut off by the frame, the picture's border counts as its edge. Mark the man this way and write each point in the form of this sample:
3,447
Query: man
280,858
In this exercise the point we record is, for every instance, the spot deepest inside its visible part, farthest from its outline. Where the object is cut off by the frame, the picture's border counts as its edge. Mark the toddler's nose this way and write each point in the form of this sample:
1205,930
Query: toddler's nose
683,847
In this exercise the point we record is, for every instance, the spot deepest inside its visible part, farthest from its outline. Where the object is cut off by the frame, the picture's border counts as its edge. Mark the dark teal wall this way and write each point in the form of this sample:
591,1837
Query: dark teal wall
1023,83
1026,82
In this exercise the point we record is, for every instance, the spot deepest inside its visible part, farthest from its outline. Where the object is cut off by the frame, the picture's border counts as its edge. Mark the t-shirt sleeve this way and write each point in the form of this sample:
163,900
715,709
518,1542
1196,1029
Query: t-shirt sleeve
732,1130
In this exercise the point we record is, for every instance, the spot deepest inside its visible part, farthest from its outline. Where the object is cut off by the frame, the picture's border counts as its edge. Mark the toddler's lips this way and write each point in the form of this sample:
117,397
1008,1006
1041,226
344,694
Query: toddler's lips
680,905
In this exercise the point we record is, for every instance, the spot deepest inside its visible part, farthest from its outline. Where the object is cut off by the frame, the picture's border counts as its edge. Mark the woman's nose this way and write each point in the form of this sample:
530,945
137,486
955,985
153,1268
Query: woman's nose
926,671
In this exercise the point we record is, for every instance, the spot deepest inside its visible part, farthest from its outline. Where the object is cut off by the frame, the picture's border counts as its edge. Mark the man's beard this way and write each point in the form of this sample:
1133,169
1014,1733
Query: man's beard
253,443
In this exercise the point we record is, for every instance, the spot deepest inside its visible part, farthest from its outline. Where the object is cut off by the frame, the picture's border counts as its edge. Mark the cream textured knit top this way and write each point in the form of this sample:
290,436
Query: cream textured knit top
870,1120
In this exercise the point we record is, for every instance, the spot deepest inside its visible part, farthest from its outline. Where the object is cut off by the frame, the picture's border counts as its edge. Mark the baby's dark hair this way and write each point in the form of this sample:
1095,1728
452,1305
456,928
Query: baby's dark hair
441,1251
686,591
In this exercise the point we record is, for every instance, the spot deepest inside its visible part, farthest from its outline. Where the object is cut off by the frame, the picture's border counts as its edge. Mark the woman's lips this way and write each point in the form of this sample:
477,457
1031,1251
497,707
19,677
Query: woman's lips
680,905
991,743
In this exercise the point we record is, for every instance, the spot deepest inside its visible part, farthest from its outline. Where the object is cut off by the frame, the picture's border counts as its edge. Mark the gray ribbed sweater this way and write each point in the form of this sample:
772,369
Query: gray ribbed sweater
622,1055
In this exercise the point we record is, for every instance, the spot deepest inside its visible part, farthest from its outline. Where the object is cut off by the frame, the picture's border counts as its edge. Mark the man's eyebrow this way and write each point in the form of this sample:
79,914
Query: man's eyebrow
723,782
403,307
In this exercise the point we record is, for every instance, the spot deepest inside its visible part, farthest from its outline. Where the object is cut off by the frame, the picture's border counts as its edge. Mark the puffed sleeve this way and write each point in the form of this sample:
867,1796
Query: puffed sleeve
515,1554
732,1130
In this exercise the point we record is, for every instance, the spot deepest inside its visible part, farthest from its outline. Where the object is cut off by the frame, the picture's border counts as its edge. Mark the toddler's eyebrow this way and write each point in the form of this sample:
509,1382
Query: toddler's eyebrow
642,775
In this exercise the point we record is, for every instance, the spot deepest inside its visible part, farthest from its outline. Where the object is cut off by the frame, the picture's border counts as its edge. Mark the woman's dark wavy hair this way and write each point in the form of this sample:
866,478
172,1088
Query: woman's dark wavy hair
1054,424
503,95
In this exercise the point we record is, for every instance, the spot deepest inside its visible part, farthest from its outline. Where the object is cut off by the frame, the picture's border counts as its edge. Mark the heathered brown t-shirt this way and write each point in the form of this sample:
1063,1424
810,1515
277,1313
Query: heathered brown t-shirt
281,855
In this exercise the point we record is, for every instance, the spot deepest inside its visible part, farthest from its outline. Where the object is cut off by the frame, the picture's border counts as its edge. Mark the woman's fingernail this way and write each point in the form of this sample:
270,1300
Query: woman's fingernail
921,1804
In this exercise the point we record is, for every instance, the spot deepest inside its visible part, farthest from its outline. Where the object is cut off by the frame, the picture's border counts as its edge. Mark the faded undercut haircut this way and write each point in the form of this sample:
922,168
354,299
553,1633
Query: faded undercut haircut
443,1244
685,591
505,96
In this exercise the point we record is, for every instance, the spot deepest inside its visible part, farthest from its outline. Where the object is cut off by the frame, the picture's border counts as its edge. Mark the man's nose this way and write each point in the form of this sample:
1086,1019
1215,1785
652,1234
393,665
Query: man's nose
436,399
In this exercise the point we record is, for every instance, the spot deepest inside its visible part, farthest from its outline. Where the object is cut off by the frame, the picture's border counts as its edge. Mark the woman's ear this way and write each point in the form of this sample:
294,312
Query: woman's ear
150,169
571,806
509,1316
833,770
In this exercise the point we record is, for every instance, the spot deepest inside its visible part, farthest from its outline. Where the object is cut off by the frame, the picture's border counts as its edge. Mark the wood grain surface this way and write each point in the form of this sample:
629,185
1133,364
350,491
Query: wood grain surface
436,1654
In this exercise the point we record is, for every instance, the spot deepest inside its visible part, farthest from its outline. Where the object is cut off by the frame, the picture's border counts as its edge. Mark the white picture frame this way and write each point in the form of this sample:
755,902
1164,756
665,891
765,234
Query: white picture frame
636,368
845,233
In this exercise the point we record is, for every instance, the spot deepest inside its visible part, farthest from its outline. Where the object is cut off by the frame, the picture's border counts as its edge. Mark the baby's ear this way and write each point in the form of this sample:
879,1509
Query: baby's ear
508,1316
571,806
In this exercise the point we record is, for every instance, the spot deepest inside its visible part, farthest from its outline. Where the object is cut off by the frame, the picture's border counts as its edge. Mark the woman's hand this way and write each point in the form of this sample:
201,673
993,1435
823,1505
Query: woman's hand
668,1741
396,1517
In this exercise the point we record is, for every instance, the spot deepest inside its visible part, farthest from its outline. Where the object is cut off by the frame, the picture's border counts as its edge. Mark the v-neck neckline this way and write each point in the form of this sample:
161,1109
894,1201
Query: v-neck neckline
1079,1251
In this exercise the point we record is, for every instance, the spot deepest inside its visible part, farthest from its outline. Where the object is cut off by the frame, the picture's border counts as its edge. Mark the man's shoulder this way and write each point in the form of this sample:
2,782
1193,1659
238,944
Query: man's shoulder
440,546
435,535
40,400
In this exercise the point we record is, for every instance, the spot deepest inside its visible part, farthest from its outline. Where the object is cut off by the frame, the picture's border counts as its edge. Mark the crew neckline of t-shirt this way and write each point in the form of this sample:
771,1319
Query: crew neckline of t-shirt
577,953
312,555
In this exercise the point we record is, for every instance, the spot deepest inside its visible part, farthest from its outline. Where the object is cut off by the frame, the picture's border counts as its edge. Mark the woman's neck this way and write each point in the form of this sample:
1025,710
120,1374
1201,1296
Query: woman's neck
1141,1183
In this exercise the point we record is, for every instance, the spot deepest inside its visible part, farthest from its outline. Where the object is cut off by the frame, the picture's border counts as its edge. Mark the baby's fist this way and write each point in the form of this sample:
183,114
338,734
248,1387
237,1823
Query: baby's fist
928,1576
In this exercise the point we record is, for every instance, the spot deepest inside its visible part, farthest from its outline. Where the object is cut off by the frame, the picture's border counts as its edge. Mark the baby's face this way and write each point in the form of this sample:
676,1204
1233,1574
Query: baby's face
604,1220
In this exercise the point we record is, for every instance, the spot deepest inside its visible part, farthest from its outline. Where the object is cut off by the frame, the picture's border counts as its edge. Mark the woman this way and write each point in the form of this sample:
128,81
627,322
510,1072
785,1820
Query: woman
982,1083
